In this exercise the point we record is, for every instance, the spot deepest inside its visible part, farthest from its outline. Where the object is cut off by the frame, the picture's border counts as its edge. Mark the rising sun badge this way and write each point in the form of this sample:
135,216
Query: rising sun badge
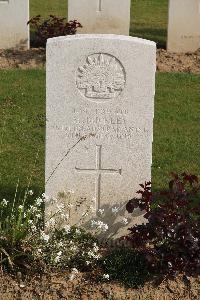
102,77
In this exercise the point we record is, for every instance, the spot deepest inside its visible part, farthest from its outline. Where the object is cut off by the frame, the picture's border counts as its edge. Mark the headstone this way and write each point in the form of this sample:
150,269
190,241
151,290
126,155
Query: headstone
101,16
14,31
99,130
183,25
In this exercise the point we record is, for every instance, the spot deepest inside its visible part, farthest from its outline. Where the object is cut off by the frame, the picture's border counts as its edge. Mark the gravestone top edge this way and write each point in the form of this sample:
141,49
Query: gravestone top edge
102,37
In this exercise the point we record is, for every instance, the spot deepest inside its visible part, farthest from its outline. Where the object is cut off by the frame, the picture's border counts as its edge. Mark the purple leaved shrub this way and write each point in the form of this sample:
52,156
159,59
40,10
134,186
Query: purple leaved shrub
52,27
170,238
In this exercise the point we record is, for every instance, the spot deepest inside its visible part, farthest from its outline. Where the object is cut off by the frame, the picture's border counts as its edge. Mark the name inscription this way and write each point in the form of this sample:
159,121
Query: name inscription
101,124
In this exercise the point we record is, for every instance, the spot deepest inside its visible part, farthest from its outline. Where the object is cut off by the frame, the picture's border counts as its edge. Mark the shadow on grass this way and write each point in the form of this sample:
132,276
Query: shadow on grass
155,34
8,193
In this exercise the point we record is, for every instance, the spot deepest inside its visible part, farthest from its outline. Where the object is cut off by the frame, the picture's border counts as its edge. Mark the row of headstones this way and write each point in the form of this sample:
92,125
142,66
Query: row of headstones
104,16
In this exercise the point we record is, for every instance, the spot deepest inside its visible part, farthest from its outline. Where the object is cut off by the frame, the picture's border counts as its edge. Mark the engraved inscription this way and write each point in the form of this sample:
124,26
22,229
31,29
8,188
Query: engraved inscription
98,171
103,124
102,77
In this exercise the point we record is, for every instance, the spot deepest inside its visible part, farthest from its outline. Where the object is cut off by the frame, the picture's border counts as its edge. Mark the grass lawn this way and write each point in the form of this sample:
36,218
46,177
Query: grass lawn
22,128
148,17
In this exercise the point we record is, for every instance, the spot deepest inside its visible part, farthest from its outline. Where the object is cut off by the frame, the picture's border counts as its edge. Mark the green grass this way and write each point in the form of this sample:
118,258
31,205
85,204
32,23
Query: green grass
176,126
22,125
148,17
22,128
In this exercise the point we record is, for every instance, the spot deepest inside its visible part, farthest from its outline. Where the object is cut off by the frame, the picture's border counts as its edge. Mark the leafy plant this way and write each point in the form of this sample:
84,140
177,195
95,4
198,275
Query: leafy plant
25,244
19,224
170,238
52,27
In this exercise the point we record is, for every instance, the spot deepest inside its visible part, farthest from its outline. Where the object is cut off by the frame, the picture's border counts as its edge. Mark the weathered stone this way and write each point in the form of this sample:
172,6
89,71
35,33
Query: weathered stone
14,31
99,130
183,25
101,16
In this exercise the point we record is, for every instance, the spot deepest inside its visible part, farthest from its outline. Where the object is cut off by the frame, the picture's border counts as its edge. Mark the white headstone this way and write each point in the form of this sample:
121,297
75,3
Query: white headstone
14,31
101,16
183,25
100,108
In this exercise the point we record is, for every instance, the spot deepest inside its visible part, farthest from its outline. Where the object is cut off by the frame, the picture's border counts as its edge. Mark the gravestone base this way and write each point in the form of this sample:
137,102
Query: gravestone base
183,26
14,31
101,16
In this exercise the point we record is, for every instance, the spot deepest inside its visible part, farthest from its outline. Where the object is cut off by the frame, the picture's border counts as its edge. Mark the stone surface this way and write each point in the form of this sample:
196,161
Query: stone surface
101,16
14,31
99,130
183,25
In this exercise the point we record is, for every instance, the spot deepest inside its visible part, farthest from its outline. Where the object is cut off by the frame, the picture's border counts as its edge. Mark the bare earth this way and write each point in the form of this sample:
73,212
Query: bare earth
166,62
57,286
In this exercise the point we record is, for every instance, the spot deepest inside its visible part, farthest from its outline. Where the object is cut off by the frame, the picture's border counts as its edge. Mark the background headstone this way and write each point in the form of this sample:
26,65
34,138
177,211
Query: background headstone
183,25
101,16
100,108
14,31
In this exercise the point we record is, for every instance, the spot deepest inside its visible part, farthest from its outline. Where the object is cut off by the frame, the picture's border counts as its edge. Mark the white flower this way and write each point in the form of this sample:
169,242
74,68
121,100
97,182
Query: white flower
45,197
30,222
99,225
73,248
96,248
93,255
169,264
67,228
93,223
38,216
74,270
4,202
30,192
45,236
101,211
78,231
106,276
39,250
125,221
57,258
115,210
33,228
33,208
88,262
21,207
39,201
73,274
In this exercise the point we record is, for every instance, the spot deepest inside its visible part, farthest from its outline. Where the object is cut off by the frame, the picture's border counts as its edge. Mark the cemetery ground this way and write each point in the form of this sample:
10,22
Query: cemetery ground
22,153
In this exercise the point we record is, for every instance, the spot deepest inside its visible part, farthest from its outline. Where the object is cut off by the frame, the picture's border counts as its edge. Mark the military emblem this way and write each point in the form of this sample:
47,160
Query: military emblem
102,77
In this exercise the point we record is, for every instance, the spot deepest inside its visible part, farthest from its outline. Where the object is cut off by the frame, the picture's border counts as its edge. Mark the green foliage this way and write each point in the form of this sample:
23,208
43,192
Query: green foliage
126,266
19,222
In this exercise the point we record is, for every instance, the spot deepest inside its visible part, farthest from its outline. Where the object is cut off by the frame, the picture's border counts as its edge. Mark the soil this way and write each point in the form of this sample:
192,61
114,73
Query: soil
57,286
166,61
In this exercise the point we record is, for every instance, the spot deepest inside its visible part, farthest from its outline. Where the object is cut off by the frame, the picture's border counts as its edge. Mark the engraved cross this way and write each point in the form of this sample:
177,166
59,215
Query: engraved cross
98,171
99,9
